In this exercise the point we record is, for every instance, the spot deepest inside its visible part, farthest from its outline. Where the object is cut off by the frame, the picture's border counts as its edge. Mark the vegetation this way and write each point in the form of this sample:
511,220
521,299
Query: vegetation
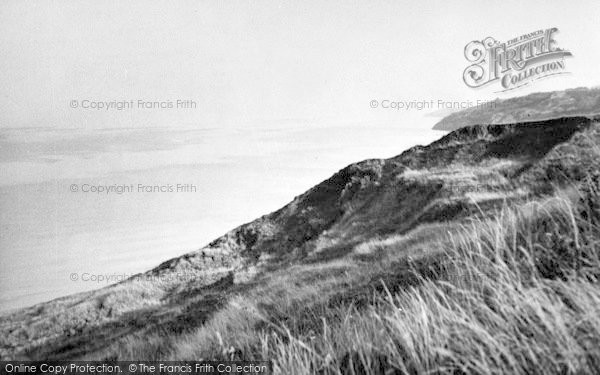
515,292
518,294
474,255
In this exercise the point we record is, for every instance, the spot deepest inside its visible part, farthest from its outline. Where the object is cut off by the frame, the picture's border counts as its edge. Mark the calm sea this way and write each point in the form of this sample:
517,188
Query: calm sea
111,203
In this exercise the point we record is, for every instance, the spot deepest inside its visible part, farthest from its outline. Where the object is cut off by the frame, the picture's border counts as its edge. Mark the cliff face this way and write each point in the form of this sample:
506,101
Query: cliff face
466,172
533,107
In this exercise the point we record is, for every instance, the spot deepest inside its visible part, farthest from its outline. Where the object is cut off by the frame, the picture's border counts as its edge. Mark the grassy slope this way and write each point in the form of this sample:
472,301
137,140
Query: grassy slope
374,268
516,293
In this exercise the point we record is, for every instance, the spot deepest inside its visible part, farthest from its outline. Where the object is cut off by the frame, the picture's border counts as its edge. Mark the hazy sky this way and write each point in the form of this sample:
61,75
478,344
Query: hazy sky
262,62
300,66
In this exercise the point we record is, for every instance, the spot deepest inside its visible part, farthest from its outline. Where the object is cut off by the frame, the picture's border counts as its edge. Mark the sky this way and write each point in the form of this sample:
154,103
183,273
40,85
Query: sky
276,96
262,63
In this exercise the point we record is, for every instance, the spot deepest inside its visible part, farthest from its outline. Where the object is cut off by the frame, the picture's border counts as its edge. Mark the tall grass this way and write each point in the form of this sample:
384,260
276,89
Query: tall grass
512,292
518,294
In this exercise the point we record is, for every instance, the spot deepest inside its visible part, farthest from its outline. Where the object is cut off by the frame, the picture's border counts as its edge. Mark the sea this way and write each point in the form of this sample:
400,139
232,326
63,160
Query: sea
83,208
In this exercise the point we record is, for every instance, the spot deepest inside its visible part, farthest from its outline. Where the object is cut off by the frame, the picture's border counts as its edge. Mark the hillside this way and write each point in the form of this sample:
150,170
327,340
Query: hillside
534,107
345,257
